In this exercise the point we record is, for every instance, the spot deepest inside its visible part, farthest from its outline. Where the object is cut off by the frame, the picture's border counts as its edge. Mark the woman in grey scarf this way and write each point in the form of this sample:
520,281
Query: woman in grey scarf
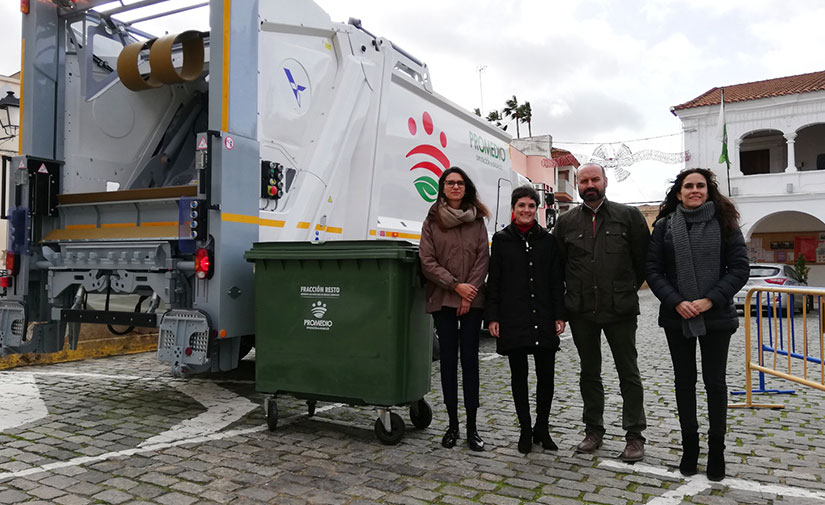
697,261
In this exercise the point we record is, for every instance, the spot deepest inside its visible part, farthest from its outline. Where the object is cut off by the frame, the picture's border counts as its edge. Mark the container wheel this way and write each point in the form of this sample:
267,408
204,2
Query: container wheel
311,407
397,433
271,414
421,414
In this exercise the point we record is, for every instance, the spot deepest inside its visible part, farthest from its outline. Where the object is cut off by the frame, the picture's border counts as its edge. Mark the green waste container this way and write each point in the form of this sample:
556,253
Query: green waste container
345,322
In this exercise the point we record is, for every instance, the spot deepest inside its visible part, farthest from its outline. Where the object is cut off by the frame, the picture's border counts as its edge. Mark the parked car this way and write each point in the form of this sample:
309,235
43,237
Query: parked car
772,275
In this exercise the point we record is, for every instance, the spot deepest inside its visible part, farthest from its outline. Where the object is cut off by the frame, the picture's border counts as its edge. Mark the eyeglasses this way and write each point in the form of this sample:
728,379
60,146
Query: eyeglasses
460,184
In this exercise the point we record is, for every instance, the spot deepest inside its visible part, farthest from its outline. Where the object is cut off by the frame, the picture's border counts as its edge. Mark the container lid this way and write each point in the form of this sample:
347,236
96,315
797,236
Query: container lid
337,249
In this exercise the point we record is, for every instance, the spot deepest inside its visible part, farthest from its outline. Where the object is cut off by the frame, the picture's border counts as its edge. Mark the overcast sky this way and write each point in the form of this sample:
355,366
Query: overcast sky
594,72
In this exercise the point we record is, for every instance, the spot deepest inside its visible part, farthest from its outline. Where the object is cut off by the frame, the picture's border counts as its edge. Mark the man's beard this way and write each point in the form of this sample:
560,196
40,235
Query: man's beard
591,195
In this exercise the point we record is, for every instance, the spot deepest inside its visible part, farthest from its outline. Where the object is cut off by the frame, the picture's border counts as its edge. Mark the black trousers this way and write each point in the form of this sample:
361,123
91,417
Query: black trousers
545,361
714,350
456,332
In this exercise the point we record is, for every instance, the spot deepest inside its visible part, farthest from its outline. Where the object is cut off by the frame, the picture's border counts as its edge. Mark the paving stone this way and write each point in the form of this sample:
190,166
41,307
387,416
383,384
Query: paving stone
46,492
175,499
12,496
113,496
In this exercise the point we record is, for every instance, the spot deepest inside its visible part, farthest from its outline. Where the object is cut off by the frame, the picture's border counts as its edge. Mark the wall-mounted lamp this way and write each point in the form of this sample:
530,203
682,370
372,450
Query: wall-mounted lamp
9,115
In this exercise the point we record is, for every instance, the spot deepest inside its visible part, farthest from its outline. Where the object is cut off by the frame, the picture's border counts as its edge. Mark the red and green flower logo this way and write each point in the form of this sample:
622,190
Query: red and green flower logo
428,157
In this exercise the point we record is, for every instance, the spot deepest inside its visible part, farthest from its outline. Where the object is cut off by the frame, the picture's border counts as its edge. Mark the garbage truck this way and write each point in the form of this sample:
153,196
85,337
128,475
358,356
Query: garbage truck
149,164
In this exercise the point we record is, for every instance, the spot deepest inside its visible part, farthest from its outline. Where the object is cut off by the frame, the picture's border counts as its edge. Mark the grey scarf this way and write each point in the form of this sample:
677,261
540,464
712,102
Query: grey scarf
450,217
697,257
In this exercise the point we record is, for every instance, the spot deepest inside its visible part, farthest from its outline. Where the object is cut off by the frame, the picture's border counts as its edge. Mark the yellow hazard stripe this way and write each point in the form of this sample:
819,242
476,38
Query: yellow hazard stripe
227,6
239,218
303,225
80,226
396,234
160,223
275,223
81,232
333,229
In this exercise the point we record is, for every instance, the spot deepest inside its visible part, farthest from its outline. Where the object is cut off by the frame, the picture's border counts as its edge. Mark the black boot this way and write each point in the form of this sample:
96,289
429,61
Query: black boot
690,453
716,458
541,435
525,441
451,436
473,439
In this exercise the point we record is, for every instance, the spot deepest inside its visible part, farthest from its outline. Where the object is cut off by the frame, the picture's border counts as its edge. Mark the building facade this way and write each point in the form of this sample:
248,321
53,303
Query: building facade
537,159
776,147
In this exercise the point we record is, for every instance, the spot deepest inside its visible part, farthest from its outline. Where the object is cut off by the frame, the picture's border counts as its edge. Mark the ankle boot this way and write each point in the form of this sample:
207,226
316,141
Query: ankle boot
541,435
690,453
525,441
473,438
716,458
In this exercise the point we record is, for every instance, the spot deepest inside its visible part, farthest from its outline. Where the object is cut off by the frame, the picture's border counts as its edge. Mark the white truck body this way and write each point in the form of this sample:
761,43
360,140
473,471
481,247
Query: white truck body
350,121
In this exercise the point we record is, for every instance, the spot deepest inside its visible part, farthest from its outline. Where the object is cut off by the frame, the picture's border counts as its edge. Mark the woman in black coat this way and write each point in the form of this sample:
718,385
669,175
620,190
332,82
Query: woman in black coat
525,311
697,261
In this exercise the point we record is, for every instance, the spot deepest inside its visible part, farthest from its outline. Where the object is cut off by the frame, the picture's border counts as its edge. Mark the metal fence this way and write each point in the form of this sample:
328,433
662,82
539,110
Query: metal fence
788,345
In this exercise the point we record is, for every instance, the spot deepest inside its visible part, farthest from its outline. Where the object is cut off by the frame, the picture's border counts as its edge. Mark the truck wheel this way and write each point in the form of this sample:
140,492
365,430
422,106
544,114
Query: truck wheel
421,414
391,438
271,414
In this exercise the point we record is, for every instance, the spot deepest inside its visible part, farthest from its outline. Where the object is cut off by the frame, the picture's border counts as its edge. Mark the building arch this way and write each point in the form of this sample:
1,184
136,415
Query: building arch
808,147
779,236
762,151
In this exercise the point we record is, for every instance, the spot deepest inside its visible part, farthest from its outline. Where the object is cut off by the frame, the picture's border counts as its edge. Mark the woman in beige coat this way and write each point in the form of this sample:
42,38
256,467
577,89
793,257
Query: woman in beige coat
454,257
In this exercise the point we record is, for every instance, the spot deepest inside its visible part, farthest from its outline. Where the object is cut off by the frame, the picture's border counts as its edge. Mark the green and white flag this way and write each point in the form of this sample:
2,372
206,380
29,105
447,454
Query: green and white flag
723,130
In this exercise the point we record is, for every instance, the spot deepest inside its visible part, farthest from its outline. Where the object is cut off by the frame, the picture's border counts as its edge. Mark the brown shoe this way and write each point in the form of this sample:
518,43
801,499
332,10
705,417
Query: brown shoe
591,442
634,450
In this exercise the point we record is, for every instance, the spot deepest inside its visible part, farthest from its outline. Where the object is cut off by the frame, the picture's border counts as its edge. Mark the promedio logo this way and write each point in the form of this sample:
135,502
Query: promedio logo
318,310
488,147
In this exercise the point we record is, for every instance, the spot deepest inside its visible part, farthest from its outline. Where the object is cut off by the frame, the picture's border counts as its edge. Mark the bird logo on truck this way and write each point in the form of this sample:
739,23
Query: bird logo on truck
435,161
296,88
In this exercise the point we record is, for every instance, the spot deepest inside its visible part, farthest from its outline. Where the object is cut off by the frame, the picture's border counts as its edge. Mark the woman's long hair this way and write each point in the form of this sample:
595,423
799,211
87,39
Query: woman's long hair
470,198
726,211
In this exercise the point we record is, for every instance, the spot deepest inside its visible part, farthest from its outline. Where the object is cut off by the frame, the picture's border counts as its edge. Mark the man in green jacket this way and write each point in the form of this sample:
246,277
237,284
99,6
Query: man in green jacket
603,247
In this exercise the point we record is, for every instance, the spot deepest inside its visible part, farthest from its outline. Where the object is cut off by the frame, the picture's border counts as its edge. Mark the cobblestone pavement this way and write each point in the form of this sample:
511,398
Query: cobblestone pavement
122,430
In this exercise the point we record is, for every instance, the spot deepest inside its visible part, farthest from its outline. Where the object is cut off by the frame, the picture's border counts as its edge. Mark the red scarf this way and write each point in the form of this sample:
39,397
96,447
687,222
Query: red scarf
523,228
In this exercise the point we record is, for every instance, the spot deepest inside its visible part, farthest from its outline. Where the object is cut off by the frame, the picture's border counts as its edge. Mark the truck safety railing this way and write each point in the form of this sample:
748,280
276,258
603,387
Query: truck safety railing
777,353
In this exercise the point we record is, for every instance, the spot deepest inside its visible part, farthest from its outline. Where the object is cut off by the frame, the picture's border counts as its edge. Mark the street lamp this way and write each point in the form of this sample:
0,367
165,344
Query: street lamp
480,90
9,121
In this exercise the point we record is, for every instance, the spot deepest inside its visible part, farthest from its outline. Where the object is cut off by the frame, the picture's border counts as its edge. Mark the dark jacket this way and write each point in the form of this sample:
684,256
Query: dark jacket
452,256
525,289
603,259
662,279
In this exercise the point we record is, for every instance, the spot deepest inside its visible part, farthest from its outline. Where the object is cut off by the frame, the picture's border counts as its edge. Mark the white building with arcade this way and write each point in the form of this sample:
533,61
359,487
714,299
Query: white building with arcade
776,145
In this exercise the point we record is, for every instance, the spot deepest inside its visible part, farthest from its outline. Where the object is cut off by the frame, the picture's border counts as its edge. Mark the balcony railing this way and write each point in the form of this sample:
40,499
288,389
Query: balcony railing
783,183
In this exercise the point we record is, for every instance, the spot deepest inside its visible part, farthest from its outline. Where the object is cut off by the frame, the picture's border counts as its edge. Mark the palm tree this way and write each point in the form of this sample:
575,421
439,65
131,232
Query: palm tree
526,116
511,109
495,117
